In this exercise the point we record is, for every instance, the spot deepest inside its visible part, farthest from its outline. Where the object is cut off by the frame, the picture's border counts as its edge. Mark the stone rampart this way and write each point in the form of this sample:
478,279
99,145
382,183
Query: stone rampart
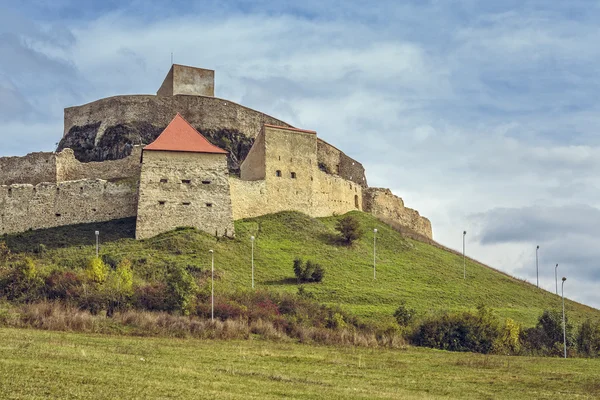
33,168
203,112
69,169
48,205
334,161
383,204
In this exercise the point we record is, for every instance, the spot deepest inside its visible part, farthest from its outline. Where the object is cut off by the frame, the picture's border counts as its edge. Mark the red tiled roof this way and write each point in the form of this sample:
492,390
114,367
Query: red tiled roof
289,128
179,135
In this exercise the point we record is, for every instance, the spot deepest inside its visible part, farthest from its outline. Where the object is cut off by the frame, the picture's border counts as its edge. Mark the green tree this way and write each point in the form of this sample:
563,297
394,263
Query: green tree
298,269
349,229
404,315
588,339
96,270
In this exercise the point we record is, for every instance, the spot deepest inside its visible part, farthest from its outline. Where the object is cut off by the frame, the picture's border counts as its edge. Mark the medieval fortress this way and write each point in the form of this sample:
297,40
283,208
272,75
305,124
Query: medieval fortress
183,157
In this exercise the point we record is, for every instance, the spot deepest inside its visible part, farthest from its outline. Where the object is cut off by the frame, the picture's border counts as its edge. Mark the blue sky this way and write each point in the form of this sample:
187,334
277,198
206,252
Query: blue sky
483,115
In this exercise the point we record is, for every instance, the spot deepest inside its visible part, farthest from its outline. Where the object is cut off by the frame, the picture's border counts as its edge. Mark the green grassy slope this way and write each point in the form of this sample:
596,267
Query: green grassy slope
41,364
427,278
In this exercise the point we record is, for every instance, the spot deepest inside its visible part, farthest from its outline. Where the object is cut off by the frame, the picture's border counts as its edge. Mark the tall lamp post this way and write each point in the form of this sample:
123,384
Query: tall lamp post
374,253
556,278
537,269
464,258
97,242
252,241
212,285
564,322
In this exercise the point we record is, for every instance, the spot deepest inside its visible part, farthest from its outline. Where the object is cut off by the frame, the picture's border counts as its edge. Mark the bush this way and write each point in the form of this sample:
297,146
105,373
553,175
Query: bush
152,297
404,315
181,289
22,282
509,341
546,338
309,272
63,285
96,270
4,252
459,332
349,229
588,339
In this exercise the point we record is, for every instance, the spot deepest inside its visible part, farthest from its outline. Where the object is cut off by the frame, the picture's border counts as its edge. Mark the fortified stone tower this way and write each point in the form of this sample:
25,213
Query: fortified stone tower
184,182
192,81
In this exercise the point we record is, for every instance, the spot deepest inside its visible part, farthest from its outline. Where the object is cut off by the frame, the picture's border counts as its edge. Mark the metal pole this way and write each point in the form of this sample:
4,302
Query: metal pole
537,269
564,323
97,234
464,258
556,278
252,240
374,253
212,286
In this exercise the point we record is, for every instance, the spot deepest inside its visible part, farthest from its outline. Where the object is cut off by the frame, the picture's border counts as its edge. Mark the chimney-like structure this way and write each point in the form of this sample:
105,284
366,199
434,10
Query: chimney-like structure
191,81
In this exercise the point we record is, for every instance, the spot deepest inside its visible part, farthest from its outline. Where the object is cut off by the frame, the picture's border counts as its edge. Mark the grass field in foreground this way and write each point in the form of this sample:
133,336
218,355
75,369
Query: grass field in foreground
429,279
40,364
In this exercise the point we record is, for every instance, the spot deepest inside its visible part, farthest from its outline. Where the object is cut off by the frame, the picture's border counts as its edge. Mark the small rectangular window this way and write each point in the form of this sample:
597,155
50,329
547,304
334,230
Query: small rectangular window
161,203
186,203
293,175
186,181
208,204
206,182
278,173
58,215
164,180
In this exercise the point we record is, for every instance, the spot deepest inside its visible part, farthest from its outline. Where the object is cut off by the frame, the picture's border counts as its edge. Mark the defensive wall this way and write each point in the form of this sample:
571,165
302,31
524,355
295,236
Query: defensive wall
35,168
383,204
47,205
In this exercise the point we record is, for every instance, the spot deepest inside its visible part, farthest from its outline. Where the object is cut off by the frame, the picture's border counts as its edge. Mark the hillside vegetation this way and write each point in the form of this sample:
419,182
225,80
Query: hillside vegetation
425,277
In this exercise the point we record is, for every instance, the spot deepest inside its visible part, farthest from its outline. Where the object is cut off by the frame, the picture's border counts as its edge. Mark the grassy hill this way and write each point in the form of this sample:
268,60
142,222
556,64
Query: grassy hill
428,278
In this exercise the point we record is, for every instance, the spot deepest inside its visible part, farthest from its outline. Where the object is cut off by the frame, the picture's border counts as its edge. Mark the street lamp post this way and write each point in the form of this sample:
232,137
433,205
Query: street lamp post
212,285
564,322
556,278
252,241
537,269
464,258
97,242
374,253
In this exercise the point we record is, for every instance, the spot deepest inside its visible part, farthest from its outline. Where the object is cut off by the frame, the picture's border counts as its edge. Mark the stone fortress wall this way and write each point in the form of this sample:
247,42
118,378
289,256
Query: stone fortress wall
47,205
43,190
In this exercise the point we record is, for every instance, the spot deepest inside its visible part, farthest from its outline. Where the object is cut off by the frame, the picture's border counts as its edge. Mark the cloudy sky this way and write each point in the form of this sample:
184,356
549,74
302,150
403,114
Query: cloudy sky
483,115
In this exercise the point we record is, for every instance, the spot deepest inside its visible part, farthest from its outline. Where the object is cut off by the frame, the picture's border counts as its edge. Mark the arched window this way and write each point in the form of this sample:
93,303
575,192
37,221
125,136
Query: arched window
356,201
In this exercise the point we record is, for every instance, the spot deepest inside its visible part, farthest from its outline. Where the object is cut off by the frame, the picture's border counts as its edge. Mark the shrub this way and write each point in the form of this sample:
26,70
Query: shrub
118,287
546,338
509,341
404,315
152,297
459,332
62,285
349,229
588,339
181,289
298,269
309,272
96,270
22,282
